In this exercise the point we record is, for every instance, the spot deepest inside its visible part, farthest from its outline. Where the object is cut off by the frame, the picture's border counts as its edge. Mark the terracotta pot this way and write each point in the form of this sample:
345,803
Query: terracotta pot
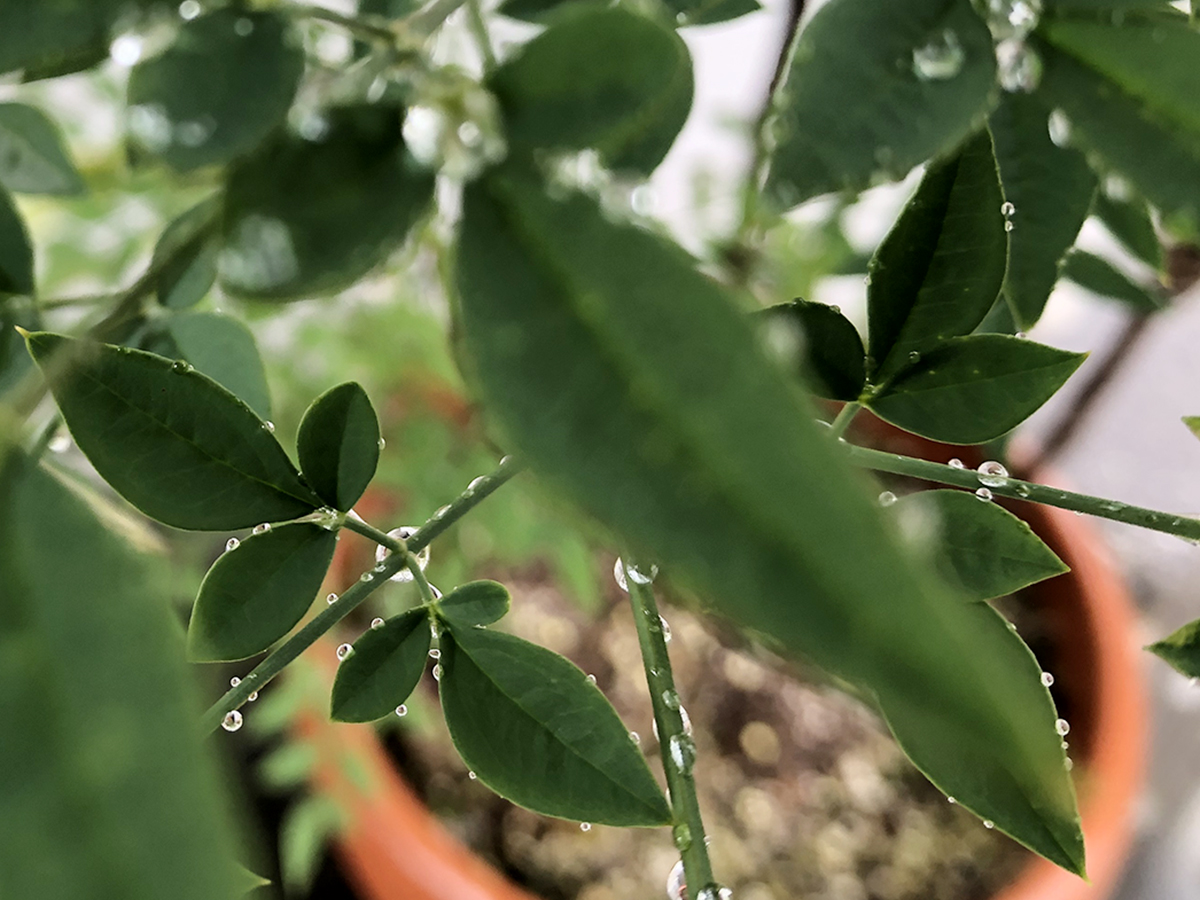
395,849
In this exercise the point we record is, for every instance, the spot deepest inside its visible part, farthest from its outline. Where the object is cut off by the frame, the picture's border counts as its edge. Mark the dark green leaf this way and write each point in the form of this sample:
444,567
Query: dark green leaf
940,268
339,444
171,441
999,320
833,354
475,603
101,762
218,90
1181,649
220,347
16,255
185,256
1128,219
1128,94
255,593
56,35
1102,278
980,549
536,731
640,391
972,389
1051,189
605,78
385,666
919,81
33,159
286,238
712,12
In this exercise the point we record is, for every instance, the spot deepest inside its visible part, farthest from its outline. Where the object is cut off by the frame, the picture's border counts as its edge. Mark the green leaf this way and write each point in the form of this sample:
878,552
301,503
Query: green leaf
339,444
842,118
833,354
185,256
312,217
972,389
536,731
171,441
33,159
980,549
16,254
475,603
1128,94
1051,189
218,90
56,35
939,270
248,882
712,12
307,826
102,761
604,78
1102,278
1181,649
220,347
672,441
383,670
1128,220
256,593
1193,424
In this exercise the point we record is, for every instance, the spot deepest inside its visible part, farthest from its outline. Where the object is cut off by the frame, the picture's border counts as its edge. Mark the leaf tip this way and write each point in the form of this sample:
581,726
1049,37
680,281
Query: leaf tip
25,333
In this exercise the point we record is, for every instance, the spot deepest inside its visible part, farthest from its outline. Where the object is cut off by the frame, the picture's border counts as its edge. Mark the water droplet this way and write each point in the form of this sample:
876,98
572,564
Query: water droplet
681,834
181,366
231,544
983,494
666,629
252,697
1068,763
992,474
620,570
344,651
1047,679
382,443
914,356
471,774
402,710
956,463
867,279
683,753
642,200
591,679
269,425
188,10
331,598
234,681
676,885
126,50
476,484
1018,65
437,672
635,737
989,824
1059,127
403,534
377,623
441,511
377,89
687,721
243,27
1007,209
939,59
1020,335
887,498
670,699
435,653
951,801
585,826
1009,226
232,720
1062,726
469,134
60,443
261,528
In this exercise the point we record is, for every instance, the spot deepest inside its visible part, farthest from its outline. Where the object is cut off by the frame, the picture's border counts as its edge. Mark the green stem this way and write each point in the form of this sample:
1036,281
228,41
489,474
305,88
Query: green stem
354,523
479,30
1185,527
286,652
675,744
844,417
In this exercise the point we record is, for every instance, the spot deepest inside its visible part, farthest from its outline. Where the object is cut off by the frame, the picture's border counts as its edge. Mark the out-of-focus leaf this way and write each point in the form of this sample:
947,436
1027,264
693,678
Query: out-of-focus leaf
339,444
14,360
218,90
640,391
599,77
475,603
833,355
186,256
171,441
57,36
919,80
385,666
1129,221
311,217
16,255
102,764
687,12
1181,649
33,159
1050,189
307,826
1102,278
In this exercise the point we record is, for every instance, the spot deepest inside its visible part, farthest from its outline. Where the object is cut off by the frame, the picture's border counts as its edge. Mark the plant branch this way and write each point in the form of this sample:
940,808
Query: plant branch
286,652
396,546
844,417
675,744
1185,527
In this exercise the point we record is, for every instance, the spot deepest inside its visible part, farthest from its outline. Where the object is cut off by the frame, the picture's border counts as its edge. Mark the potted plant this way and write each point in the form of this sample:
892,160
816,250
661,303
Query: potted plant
636,388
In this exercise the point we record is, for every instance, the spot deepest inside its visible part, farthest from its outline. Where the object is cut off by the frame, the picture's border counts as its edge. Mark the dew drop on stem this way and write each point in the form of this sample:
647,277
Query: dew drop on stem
402,534
956,463
992,474
262,528
585,826
376,623
331,598
232,720
401,710
984,494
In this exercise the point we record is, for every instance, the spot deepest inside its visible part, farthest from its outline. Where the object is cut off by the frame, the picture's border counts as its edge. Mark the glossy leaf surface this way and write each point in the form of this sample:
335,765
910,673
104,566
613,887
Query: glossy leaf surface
978,547
339,444
939,270
604,78
1104,279
641,392
33,159
102,762
171,441
536,731
218,90
1181,649
833,355
185,257
972,389
16,255
1051,189
919,81
475,603
255,593
385,666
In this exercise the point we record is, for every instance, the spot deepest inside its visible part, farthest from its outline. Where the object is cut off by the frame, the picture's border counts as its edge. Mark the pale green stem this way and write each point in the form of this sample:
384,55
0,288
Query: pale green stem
844,417
1185,527
675,745
479,30
286,652
397,546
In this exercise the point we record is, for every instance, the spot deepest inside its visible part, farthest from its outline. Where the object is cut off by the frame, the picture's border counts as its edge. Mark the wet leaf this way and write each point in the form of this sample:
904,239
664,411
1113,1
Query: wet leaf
833,355
383,670
339,444
475,603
